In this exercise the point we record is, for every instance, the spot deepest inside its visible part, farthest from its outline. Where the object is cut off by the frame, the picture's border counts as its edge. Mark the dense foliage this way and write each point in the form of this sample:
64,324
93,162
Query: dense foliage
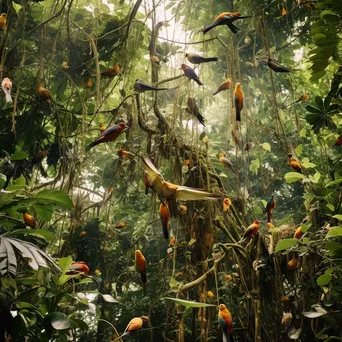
91,206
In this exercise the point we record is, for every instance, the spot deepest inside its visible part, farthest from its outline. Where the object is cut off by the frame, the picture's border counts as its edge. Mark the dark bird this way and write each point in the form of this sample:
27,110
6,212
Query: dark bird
110,134
275,65
192,109
190,74
226,18
194,58
141,87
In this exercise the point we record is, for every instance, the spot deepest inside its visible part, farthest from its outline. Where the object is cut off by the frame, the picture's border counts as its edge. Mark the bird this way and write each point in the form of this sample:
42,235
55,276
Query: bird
294,164
292,264
172,192
227,202
275,65
155,59
224,86
226,18
6,86
271,204
3,20
134,325
125,154
43,93
165,218
226,162
226,323
78,267
140,264
110,134
190,74
111,72
338,142
248,146
120,225
303,98
30,220
37,160
141,87
238,101
88,83
194,58
192,109
298,233
102,128
251,230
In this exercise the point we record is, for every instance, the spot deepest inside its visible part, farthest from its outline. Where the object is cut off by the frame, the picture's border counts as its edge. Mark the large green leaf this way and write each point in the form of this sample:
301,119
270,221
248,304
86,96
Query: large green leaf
292,177
334,231
285,244
187,303
58,197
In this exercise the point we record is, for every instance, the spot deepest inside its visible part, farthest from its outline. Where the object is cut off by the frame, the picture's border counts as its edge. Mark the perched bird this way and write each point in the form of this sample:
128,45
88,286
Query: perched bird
292,264
338,142
251,230
6,86
141,87
226,323
45,96
102,128
274,65
271,204
248,146
298,233
193,110
210,294
226,162
88,83
190,74
83,232
78,267
165,218
65,65
238,101
194,58
224,86
3,20
294,164
37,160
227,202
226,18
140,264
155,59
125,154
110,134
303,98
172,192
30,220
111,72
120,225
182,209
133,327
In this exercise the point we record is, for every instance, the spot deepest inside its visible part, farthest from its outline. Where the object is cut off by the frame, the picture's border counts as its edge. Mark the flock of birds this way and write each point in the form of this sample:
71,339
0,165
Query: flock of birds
167,192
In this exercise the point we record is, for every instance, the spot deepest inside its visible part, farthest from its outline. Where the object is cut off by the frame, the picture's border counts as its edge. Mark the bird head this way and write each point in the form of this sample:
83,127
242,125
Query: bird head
138,252
221,154
237,14
222,307
229,79
237,86
183,66
256,222
123,126
145,318
4,15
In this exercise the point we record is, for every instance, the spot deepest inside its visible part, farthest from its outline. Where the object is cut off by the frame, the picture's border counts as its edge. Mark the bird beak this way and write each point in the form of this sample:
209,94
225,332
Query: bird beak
126,128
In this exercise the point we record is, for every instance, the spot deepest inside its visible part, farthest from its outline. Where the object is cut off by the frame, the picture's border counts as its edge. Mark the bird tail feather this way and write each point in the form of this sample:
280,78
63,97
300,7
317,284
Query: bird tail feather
208,28
210,59
238,114
8,97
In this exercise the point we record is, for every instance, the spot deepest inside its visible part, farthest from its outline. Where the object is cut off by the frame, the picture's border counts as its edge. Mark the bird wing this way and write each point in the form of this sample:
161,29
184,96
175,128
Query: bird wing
185,193
276,66
153,176
226,161
190,73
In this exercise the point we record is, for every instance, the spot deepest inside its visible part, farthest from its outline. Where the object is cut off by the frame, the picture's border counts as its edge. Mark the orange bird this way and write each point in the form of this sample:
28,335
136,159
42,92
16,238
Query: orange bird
140,264
227,202
238,101
226,18
110,134
248,146
6,86
298,233
226,162
102,127
30,220
292,264
295,166
111,72
3,20
44,94
133,326
125,154
251,230
224,86
303,98
172,192
155,59
165,218
78,267
190,74
338,141
226,323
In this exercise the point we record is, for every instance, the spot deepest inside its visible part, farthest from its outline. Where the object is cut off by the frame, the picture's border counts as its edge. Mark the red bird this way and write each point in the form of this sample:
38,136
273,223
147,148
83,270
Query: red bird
295,166
238,101
78,267
224,86
110,134
190,74
251,230
44,94
226,323
338,141
165,218
226,18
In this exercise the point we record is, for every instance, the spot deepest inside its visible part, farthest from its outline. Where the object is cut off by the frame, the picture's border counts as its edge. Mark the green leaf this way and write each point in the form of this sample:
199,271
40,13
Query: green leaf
292,177
109,299
39,232
330,207
313,110
16,7
337,181
64,263
324,279
266,146
339,217
19,156
60,321
306,163
313,314
285,244
56,196
318,99
255,165
187,303
333,232
44,211
299,149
